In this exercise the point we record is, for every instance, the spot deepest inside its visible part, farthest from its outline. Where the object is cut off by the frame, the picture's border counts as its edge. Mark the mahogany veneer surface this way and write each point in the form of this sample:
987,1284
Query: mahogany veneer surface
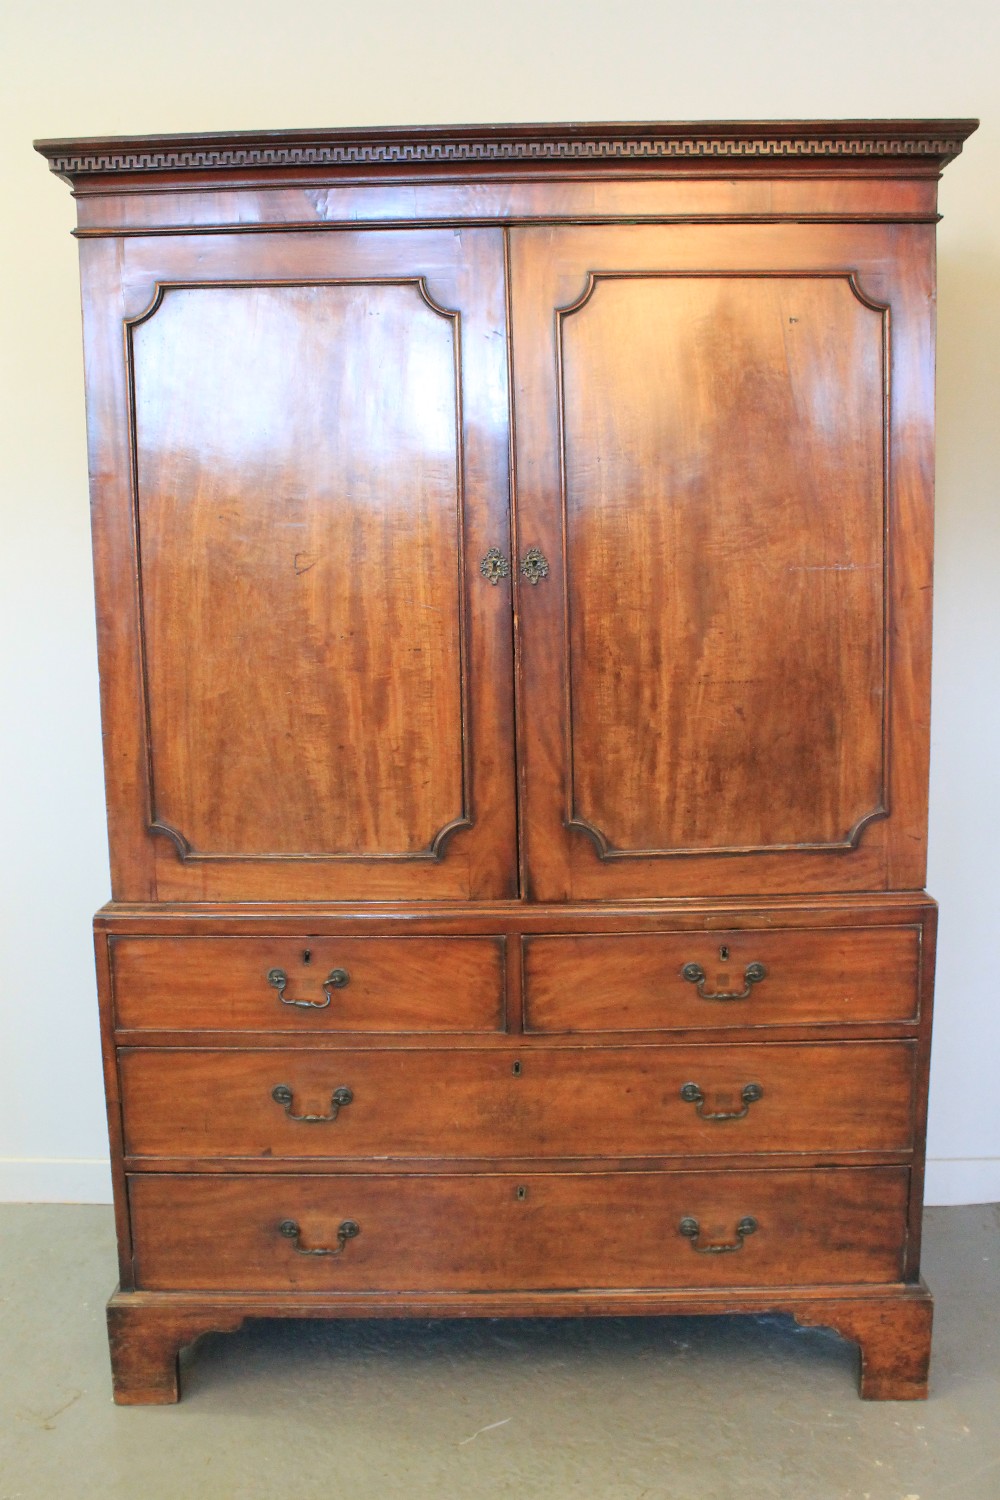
632,982
513,561
424,1102
386,984
460,1234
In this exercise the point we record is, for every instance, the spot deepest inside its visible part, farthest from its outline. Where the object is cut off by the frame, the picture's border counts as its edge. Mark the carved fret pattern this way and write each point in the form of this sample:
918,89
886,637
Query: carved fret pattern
390,153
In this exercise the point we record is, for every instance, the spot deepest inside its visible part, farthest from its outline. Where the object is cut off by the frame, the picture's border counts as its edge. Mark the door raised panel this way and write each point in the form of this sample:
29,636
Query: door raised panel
723,463
300,511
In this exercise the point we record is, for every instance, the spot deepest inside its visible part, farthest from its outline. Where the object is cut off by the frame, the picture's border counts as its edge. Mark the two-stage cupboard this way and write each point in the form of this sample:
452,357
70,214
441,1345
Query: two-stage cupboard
513,567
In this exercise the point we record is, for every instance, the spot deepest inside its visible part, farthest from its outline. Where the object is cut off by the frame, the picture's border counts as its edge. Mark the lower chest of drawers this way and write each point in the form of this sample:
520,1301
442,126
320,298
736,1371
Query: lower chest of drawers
373,1115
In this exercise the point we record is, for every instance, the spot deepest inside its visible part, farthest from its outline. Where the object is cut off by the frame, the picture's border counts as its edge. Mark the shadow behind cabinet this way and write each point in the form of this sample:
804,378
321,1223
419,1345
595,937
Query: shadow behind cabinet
513,554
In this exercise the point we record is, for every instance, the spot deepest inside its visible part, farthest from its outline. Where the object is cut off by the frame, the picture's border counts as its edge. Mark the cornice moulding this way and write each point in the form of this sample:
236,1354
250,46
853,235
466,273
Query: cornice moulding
926,142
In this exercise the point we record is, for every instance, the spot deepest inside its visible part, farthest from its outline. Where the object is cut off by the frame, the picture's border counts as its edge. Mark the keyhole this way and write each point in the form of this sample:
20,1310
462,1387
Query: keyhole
521,1194
724,953
516,1069
307,954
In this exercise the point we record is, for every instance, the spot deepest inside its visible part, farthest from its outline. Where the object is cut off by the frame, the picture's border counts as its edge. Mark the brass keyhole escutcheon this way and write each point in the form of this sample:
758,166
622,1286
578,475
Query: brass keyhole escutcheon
494,566
535,565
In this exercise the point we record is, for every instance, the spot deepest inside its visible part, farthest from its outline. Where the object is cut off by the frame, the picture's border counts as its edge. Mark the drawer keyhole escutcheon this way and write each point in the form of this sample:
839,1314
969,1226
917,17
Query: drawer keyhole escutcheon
339,1099
750,1093
752,974
691,1229
516,1069
349,1230
335,980
521,1194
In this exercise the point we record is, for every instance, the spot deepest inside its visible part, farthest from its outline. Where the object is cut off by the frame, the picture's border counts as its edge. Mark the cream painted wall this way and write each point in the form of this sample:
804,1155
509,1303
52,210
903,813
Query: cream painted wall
107,67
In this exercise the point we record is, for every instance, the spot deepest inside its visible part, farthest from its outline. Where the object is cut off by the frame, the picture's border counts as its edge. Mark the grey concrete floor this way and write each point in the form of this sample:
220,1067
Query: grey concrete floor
645,1409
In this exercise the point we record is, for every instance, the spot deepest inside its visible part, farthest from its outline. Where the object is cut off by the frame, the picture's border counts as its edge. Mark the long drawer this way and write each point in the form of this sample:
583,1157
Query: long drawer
309,985
746,978
503,1232
538,1102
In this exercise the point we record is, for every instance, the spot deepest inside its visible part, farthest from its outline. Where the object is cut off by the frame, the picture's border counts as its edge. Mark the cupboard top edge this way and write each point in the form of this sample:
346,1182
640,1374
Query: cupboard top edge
692,145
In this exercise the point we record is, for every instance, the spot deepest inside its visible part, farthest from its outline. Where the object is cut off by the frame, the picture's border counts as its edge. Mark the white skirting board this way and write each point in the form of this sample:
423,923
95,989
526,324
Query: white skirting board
950,1181
42,1180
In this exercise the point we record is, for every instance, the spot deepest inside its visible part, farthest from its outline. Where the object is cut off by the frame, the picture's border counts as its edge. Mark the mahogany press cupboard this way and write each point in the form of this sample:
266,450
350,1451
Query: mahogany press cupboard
513,555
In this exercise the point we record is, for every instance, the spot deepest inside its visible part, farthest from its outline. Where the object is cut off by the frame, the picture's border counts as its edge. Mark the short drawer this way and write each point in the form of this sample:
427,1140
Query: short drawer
465,1233
309,985
540,1102
671,980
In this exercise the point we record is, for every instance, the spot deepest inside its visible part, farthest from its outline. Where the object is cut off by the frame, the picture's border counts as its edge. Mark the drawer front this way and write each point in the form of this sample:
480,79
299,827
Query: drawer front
539,1102
669,981
505,1233
345,984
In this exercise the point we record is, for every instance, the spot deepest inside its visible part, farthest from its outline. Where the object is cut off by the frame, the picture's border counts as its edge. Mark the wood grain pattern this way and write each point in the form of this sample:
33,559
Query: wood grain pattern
551,269
393,984
307,687
145,1345
892,1325
915,1223
456,918
894,1337
116,597
504,201
466,1233
632,982
726,619
693,366
831,1098
112,1096
300,513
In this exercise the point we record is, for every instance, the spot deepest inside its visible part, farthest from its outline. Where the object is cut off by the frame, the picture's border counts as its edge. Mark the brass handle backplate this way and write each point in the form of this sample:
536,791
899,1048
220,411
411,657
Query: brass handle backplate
534,565
750,1093
494,566
752,974
348,1230
691,1229
339,1099
335,980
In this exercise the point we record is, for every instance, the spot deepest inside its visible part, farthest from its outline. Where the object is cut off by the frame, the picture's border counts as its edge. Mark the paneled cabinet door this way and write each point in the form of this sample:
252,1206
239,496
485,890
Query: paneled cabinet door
300,451
723,517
